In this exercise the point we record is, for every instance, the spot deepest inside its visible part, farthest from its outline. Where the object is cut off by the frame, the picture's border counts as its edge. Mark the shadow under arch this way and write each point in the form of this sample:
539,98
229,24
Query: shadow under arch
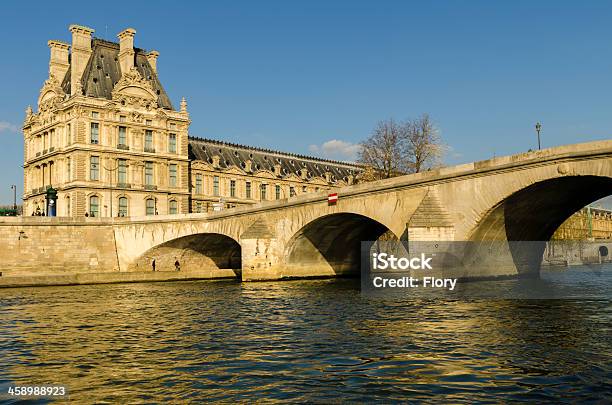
333,243
202,251
529,217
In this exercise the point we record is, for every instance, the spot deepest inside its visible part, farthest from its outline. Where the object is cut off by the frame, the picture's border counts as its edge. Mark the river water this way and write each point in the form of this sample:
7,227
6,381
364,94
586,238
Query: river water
305,341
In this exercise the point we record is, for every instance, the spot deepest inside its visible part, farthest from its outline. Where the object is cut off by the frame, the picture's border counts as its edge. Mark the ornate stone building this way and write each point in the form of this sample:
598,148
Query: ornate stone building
587,224
108,139
230,175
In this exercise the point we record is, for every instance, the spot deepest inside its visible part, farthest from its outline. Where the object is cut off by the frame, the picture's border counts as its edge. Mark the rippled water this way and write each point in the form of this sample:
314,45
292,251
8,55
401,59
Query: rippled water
315,341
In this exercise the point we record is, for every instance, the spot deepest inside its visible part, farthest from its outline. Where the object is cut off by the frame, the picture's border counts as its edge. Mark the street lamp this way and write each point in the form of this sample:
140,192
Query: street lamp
14,188
538,128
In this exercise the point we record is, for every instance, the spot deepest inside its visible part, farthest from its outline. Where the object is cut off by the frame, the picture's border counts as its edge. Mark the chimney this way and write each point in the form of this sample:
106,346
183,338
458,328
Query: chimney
58,61
152,58
81,51
126,49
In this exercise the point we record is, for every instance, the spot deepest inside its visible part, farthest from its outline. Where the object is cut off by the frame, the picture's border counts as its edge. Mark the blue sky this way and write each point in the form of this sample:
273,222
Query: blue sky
295,75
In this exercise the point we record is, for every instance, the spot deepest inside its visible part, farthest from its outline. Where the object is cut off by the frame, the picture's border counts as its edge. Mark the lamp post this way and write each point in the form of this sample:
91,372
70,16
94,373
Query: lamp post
14,188
538,128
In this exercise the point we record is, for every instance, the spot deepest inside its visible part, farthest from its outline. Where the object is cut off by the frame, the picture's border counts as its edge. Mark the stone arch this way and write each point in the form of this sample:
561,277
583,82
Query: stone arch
332,243
534,212
528,217
196,252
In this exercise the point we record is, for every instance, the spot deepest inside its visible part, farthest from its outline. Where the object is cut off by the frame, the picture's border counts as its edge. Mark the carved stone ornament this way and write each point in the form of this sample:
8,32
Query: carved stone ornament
78,88
51,94
29,118
134,90
137,117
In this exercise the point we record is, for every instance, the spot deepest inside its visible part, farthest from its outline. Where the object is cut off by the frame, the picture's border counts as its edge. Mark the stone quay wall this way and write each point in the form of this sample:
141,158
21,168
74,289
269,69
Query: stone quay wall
37,246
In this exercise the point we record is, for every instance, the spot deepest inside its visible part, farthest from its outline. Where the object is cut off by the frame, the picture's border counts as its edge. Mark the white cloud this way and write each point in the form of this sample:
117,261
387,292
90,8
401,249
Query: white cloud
452,152
336,149
8,127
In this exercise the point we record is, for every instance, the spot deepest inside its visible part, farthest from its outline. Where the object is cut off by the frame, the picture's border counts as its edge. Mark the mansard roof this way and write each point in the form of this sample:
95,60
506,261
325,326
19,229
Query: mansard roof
103,72
231,154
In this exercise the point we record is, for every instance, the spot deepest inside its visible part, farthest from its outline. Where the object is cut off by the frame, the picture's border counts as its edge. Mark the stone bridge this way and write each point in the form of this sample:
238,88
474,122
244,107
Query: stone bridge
522,197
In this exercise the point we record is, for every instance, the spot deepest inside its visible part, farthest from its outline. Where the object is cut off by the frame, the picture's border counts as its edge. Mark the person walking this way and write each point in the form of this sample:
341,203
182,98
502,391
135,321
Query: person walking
177,265
153,264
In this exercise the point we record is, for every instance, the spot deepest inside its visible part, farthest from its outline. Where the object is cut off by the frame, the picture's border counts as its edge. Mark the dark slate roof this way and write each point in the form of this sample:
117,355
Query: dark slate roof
264,159
103,72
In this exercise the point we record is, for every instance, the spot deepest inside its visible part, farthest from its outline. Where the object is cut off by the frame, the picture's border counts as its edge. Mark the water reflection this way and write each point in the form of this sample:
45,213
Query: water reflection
300,341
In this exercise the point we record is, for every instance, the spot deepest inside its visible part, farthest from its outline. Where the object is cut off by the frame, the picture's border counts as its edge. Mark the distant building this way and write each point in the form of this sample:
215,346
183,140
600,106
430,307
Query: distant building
238,175
587,224
108,138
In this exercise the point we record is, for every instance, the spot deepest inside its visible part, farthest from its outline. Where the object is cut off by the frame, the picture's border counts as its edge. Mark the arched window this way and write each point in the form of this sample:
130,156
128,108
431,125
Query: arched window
150,203
123,206
94,206
173,207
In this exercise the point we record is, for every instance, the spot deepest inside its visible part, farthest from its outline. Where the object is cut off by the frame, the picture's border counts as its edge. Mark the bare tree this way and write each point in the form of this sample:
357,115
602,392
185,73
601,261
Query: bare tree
424,147
384,151
394,149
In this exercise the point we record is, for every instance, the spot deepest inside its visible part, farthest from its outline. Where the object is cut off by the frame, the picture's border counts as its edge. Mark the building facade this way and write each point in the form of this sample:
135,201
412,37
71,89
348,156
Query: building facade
229,175
587,224
107,137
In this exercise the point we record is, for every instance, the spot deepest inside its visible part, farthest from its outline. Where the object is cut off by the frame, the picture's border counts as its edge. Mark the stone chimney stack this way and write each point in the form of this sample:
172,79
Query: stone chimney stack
126,49
58,61
152,58
81,51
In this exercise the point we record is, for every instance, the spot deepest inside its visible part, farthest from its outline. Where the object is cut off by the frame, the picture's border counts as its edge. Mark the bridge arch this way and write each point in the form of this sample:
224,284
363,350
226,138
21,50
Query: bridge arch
195,252
331,244
533,213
